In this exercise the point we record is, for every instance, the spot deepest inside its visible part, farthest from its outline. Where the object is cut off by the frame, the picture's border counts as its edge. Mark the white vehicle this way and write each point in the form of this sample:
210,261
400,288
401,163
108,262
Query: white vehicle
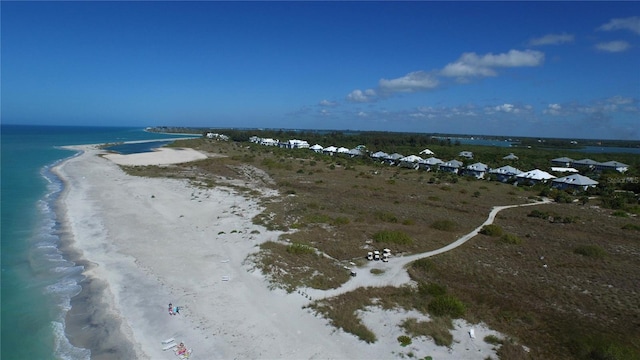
385,257
376,255
369,255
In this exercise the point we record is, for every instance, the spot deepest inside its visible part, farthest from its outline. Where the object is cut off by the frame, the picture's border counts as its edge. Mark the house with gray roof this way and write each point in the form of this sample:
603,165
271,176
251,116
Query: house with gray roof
466,154
573,181
451,166
394,158
585,163
612,165
379,155
562,161
430,163
505,173
511,156
477,170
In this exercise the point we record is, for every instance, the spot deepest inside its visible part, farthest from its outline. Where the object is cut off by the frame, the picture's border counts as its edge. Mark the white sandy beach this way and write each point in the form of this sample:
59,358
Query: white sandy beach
156,241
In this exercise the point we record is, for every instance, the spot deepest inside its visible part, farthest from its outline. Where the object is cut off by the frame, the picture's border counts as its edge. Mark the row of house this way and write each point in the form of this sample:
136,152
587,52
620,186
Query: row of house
478,170
571,165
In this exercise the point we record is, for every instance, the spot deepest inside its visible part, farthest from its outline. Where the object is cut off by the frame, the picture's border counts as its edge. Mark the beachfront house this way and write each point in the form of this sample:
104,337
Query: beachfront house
585,164
356,152
329,150
316,148
451,166
430,163
393,159
379,155
533,177
466,154
296,144
562,162
411,162
426,152
573,181
477,170
612,165
342,150
511,156
269,142
505,173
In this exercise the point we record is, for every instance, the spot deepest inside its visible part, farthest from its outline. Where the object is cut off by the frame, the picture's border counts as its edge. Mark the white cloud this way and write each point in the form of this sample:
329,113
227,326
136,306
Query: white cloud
613,46
553,109
552,39
412,82
472,65
631,23
327,103
362,114
358,95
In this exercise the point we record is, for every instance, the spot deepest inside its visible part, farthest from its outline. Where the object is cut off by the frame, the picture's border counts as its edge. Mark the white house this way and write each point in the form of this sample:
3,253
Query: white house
466,154
574,181
411,161
534,177
505,173
477,170
342,150
426,152
511,156
564,169
317,148
297,144
329,150
269,142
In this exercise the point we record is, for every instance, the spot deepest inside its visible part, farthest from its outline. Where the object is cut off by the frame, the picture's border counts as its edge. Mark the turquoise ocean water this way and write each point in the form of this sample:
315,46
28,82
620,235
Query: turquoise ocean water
37,279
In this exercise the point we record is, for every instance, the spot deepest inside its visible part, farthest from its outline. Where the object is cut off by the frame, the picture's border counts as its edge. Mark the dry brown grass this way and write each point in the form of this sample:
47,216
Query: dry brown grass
575,307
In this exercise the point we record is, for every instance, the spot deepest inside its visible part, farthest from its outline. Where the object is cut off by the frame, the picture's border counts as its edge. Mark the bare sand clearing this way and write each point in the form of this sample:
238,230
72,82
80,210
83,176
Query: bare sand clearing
156,241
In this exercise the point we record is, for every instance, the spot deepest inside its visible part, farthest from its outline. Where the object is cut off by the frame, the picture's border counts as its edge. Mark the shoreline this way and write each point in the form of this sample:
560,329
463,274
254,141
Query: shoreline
151,241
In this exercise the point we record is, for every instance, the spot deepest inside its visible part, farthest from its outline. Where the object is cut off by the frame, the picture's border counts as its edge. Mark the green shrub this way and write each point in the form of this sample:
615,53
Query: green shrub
444,225
404,340
631,227
423,264
493,340
392,237
592,251
491,230
447,305
376,271
408,222
432,289
386,217
300,249
341,220
510,239
620,213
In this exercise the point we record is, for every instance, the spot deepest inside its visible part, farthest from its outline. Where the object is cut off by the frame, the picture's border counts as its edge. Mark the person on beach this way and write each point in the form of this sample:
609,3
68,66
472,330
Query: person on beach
171,309
176,310
181,349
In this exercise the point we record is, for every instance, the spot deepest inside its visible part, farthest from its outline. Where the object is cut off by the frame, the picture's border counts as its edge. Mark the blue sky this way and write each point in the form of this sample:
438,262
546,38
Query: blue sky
551,69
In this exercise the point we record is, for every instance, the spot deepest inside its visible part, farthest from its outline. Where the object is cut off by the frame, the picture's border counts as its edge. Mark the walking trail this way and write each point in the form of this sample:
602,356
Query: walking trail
394,272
